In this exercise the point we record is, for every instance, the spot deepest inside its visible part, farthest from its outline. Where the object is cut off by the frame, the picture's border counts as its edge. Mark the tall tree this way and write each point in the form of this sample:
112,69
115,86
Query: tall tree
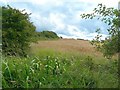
17,31
110,16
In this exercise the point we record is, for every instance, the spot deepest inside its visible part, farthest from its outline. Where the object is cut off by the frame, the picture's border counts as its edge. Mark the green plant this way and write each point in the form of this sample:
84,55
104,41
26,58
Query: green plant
49,71
52,69
17,31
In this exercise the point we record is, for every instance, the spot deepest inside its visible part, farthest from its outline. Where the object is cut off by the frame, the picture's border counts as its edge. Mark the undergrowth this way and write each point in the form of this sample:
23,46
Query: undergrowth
49,71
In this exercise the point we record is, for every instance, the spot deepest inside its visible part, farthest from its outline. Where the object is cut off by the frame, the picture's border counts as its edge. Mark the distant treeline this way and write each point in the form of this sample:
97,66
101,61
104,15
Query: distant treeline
81,39
45,35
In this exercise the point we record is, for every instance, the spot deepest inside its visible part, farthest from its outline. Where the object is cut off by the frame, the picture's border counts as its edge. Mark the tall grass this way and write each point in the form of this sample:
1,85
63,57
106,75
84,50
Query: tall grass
50,69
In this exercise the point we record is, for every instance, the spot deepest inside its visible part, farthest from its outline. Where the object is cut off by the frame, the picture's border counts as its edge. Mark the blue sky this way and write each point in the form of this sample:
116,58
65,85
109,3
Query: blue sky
63,16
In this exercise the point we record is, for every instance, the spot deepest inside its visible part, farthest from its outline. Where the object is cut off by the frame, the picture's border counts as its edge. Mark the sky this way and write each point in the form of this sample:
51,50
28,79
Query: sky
63,16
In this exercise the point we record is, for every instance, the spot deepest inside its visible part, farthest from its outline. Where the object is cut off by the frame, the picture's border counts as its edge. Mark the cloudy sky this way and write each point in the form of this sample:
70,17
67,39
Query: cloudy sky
63,16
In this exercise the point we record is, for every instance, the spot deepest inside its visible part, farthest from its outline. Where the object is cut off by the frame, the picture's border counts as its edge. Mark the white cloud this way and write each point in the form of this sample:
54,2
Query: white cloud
75,33
37,2
109,3
54,21
91,36
73,30
63,16
58,20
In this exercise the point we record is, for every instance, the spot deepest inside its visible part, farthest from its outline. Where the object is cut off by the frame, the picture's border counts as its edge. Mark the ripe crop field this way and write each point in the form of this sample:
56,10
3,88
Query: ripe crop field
66,45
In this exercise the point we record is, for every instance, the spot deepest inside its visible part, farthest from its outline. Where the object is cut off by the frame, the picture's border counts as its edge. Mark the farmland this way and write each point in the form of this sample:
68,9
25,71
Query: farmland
63,63
66,45
36,51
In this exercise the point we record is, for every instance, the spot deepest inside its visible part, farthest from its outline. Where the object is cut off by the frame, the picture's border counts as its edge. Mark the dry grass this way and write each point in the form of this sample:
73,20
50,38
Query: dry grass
67,45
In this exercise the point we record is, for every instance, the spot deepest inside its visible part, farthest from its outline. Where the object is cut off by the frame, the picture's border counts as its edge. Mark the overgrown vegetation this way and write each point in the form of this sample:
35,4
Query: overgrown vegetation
58,71
17,31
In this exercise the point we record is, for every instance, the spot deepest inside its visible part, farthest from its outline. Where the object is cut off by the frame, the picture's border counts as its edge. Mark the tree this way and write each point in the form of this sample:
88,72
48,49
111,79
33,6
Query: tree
110,16
17,31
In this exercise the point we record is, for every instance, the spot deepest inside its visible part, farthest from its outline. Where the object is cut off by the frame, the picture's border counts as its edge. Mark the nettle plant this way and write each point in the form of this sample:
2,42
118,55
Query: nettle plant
111,17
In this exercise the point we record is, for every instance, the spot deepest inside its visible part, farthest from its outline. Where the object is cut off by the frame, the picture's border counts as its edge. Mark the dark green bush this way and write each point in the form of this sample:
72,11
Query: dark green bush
17,31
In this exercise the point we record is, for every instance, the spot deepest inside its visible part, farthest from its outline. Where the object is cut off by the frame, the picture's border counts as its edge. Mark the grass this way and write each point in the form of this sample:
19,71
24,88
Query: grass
50,68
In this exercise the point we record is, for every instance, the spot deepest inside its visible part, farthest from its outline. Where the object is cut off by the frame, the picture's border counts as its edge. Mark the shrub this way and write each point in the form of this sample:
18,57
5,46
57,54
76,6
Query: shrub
17,31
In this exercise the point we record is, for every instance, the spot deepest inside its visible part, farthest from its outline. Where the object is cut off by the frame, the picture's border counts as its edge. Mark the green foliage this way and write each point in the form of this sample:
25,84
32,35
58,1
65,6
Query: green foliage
17,31
58,71
0,45
46,35
111,17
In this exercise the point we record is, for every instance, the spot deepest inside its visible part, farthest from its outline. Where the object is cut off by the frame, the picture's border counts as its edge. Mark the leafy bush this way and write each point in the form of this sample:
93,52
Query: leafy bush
17,31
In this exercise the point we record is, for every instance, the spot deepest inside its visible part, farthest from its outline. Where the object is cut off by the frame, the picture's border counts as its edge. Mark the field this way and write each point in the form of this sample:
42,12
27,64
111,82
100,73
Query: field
66,46
64,63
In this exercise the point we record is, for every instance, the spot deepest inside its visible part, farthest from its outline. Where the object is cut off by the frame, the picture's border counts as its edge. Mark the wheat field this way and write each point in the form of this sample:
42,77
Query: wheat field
66,45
